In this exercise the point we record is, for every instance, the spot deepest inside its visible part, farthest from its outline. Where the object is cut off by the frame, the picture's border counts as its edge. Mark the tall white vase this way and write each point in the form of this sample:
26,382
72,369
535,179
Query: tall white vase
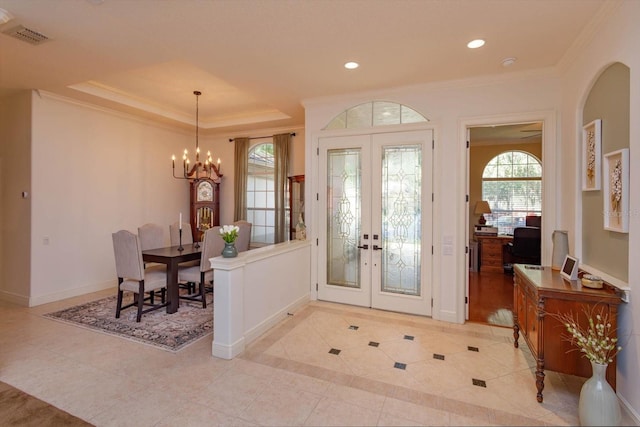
598,404
560,240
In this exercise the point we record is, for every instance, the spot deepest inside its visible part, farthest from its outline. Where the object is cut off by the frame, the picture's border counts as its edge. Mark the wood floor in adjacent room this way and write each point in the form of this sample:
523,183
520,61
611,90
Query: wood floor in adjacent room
491,298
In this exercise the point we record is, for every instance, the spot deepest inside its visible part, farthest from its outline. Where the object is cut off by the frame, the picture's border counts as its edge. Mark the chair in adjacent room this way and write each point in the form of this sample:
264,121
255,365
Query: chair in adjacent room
212,245
133,277
244,235
525,247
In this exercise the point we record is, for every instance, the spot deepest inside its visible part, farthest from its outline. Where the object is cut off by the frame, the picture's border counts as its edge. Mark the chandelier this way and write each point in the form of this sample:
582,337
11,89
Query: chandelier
199,170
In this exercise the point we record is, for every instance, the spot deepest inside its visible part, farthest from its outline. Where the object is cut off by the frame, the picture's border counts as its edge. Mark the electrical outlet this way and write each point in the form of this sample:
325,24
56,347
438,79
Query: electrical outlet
45,240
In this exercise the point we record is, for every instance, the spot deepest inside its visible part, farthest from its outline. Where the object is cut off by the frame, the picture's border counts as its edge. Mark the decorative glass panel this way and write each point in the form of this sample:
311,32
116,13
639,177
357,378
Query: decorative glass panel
386,113
343,217
401,219
359,116
376,113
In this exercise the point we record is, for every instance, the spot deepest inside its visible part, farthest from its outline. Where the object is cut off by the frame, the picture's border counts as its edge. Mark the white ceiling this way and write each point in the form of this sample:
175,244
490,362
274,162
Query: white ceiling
255,61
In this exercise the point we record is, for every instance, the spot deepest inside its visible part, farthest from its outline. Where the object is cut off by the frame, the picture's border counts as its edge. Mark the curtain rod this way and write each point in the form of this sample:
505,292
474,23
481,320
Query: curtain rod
259,137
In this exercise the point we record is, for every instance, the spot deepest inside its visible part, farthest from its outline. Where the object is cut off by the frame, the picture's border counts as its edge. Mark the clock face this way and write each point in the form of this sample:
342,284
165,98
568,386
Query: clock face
205,192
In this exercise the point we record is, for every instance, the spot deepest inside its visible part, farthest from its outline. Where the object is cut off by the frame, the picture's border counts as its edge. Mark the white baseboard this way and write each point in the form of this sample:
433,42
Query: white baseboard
227,351
255,332
446,316
69,293
626,406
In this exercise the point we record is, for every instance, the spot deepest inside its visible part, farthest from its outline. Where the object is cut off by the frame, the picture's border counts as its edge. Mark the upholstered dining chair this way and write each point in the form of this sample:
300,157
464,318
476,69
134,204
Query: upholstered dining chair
151,236
244,235
133,277
187,238
174,234
212,246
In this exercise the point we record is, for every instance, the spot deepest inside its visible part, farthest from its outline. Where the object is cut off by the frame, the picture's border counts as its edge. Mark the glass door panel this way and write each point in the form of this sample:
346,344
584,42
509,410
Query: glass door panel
343,217
401,224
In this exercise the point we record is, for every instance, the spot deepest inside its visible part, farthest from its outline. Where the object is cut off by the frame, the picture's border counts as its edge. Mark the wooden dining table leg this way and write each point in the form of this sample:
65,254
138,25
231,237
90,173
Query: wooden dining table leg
172,287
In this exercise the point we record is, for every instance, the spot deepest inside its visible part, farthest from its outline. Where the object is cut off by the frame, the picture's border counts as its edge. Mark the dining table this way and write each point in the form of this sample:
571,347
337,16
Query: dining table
172,257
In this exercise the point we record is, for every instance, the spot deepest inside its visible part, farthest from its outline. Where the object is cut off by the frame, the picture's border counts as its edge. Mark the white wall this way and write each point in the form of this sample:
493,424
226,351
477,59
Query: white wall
95,172
615,40
448,106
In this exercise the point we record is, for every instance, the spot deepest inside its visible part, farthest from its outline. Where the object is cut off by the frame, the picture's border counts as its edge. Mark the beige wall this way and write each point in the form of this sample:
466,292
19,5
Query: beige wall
608,100
15,211
92,172
479,156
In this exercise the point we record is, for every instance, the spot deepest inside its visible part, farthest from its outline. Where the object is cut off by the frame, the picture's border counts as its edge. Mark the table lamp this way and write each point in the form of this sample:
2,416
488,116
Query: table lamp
482,207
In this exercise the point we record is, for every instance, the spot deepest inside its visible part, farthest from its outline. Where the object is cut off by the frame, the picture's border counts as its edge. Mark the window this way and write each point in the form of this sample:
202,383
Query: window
375,113
512,184
261,193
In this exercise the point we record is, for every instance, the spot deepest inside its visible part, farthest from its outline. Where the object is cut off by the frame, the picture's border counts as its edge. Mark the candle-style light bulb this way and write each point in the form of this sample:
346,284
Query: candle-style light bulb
173,161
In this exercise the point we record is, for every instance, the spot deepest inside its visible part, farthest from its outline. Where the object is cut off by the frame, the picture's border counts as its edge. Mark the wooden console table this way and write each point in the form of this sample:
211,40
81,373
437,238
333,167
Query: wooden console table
492,252
540,291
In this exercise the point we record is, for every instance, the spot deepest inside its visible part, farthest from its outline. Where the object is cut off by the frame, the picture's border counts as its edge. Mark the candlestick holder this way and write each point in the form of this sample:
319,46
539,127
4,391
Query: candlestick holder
180,248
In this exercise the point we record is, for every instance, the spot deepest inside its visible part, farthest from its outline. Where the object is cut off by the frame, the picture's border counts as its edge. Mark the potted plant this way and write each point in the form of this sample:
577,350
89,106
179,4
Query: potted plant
597,342
229,234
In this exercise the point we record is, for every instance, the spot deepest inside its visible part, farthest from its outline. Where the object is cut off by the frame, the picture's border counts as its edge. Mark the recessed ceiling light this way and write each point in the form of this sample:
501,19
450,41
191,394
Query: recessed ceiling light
5,16
351,65
506,62
474,44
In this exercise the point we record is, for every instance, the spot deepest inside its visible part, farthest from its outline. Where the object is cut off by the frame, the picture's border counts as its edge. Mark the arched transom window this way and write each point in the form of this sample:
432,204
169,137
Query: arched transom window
375,113
512,184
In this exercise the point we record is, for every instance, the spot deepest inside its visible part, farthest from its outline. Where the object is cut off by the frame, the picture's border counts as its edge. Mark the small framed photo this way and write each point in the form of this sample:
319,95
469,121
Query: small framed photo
616,191
569,268
591,153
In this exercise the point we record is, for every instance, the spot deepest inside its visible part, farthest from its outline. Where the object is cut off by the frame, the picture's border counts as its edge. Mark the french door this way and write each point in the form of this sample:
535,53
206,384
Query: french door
375,221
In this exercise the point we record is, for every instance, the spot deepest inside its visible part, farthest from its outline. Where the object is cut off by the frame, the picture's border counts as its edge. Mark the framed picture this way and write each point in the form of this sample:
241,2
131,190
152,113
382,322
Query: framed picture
616,190
569,268
591,153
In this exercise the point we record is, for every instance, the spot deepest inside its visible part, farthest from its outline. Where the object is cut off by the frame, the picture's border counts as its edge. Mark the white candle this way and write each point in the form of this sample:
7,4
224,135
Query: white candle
180,221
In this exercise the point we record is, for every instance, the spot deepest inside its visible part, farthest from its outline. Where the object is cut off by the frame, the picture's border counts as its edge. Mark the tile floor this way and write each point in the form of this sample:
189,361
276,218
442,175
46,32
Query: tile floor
327,364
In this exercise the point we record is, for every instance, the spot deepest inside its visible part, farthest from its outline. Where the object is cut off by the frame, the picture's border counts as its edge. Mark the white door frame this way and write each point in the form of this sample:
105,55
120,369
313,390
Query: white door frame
550,154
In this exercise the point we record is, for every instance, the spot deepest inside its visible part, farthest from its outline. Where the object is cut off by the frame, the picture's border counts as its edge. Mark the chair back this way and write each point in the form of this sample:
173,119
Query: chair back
151,236
128,254
174,234
244,235
212,246
533,221
526,242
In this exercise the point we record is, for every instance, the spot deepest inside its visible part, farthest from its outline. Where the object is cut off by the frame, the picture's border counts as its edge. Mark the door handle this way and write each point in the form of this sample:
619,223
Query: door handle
377,248
363,247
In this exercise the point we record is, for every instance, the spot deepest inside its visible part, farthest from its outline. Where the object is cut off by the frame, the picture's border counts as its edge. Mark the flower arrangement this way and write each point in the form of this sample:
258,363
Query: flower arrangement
597,341
616,186
229,233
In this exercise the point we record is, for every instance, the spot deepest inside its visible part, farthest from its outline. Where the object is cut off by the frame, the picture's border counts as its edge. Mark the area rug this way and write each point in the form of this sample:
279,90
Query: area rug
170,332
18,408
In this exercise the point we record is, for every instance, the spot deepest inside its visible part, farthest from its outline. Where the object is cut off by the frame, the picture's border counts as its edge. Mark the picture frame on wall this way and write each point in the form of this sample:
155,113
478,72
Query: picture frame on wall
591,154
616,190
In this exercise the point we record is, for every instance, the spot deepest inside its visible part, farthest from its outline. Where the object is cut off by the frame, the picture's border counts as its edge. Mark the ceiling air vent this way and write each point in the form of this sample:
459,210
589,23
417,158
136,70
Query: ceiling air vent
26,35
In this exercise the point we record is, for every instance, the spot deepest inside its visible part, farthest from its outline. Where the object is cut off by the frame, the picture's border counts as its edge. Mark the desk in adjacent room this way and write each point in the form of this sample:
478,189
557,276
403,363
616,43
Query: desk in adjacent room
492,252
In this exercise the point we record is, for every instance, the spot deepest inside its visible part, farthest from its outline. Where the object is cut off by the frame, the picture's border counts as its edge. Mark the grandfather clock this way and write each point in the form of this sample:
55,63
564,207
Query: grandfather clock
205,206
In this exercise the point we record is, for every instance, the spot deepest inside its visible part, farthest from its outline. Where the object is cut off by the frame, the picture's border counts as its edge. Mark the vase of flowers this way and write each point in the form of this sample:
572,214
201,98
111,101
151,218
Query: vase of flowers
598,405
229,234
